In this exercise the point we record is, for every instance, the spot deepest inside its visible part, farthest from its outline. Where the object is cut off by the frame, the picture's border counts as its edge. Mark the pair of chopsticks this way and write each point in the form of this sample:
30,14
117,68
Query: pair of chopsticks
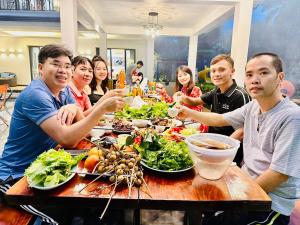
210,143
102,128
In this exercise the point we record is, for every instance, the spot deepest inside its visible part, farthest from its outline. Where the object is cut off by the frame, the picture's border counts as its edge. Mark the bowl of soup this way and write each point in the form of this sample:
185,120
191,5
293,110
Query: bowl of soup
212,153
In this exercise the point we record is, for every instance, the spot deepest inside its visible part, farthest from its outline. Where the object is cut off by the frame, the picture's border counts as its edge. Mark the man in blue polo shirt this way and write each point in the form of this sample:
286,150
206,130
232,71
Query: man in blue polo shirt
38,118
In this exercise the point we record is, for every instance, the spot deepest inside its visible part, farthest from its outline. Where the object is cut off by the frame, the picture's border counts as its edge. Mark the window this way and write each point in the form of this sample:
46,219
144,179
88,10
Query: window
169,53
34,61
217,41
120,59
275,28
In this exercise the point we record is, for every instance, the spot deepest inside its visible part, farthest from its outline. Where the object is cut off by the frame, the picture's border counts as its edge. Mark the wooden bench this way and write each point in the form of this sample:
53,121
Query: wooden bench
14,216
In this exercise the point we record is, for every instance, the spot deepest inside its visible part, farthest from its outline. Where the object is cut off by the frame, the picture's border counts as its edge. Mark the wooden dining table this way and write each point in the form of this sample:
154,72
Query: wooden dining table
185,191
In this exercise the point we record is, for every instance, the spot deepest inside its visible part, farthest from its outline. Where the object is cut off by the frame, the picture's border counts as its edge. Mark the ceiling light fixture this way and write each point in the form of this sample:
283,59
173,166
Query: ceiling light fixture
152,28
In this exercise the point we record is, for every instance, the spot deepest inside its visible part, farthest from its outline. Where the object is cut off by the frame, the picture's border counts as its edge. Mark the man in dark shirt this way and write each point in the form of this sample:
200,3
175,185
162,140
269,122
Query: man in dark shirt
226,97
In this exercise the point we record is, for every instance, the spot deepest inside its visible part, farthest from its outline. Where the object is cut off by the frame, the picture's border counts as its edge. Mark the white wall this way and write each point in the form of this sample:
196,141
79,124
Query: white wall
20,64
87,47
139,46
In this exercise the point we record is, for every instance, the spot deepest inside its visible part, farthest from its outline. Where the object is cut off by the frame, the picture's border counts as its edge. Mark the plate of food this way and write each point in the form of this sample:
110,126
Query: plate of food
52,169
122,127
144,164
162,154
108,162
166,122
71,175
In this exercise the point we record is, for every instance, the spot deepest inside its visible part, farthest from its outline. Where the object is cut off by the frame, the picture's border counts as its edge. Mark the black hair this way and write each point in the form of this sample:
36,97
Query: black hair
276,61
81,60
53,51
104,83
140,62
178,85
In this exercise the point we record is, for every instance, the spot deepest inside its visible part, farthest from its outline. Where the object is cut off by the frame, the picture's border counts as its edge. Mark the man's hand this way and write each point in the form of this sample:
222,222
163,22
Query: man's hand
67,113
112,104
184,112
177,96
191,101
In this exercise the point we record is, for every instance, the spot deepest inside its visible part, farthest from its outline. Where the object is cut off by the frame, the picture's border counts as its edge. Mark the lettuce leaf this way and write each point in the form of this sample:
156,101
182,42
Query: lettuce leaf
51,168
164,154
156,110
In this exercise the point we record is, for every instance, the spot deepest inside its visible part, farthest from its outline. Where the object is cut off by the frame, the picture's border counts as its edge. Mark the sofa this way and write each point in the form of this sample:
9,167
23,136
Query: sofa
8,78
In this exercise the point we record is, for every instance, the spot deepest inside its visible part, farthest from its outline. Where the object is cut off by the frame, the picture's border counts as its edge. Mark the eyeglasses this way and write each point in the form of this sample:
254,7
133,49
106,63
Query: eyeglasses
61,66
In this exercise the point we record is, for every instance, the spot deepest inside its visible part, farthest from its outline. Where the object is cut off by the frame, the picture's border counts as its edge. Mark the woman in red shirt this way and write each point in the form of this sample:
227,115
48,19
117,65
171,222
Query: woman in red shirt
184,85
82,75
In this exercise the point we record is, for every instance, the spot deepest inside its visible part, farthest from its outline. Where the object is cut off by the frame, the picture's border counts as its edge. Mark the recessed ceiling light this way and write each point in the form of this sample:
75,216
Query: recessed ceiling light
33,33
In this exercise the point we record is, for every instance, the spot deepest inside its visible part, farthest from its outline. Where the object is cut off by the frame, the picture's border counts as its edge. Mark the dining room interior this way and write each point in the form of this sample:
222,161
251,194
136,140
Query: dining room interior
163,35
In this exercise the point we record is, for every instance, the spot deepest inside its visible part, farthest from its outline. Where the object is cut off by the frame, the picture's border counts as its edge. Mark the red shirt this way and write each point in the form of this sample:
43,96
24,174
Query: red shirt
81,98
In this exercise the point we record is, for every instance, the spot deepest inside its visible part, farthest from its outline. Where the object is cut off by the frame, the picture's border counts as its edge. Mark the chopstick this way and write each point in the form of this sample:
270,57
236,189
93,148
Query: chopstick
102,128
209,143
188,122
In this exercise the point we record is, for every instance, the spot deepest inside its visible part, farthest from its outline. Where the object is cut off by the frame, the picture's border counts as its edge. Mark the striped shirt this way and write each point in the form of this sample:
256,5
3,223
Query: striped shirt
272,140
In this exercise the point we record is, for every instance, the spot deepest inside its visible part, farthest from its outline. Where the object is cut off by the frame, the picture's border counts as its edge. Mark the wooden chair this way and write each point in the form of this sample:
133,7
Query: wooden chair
5,94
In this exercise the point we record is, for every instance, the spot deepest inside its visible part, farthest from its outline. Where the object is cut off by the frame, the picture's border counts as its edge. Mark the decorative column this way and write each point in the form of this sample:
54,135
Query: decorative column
149,65
103,44
240,38
68,24
192,60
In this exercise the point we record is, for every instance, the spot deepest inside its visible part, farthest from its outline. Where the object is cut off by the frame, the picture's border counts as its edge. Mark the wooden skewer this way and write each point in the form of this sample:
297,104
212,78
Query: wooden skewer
149,192
97,178
107,204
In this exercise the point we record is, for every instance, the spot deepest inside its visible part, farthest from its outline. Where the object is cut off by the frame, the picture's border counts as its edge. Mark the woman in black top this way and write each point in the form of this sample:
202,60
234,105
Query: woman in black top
99,84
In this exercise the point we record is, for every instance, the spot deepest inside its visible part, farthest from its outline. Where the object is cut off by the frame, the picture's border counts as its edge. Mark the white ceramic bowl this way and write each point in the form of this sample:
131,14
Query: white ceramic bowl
96,133
193,126
210,163
140,123
173,112
121,140
109,117
160,129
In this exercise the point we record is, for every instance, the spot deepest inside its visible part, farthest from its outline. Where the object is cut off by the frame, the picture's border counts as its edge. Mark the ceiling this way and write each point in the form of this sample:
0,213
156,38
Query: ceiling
181,13
125,18
179,17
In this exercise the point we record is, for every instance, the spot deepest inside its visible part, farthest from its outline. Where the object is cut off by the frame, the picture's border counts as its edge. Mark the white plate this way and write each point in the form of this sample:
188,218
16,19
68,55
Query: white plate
141,123
165,171
97,133
58,185
175,123
154,96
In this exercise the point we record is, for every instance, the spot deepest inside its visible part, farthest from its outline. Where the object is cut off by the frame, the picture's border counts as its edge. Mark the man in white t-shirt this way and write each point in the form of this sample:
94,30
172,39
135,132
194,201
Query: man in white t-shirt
271,141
